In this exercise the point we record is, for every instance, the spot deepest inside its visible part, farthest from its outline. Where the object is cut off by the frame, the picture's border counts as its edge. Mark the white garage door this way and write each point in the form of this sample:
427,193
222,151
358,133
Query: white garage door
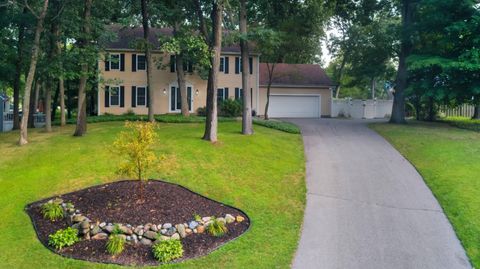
294,106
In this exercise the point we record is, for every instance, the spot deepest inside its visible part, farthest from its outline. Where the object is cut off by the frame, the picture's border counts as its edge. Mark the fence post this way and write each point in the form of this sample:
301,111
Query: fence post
1,113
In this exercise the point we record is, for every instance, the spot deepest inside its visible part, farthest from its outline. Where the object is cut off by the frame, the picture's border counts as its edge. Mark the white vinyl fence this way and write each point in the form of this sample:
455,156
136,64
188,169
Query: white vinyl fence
464,110
361,109
38,120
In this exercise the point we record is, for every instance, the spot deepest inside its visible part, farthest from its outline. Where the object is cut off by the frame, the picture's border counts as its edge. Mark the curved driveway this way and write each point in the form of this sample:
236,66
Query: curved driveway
367,207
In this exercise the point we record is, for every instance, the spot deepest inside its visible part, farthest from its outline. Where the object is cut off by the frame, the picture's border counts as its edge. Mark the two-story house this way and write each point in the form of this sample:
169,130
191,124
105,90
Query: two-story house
124,82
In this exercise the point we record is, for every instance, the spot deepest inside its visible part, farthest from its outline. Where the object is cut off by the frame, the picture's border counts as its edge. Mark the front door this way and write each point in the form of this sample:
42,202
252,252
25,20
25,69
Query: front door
176,100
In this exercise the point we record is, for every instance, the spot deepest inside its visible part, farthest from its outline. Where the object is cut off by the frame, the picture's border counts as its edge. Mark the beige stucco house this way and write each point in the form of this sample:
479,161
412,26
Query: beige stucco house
124,78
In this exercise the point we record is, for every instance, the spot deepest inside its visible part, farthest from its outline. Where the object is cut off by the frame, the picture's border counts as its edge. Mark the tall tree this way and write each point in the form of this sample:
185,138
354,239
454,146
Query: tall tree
247,128
81,127
31,73
19,69
406,46
148,56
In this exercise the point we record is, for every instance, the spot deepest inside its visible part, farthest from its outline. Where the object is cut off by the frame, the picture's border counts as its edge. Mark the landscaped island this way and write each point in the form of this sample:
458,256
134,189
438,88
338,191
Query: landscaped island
169,213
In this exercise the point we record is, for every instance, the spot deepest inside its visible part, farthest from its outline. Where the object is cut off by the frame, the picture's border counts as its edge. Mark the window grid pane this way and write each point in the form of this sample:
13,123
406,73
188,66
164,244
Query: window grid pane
141,96
141,62
114,96
115,61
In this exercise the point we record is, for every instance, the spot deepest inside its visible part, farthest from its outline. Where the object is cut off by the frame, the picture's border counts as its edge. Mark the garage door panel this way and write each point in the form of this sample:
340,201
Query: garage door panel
294,106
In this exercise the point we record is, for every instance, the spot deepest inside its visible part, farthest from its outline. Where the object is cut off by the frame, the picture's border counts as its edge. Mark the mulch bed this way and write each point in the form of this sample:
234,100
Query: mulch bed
118,203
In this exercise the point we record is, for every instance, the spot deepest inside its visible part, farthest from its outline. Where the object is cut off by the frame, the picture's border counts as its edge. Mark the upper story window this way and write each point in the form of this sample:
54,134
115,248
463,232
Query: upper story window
187,65
115,61
238,65
141,62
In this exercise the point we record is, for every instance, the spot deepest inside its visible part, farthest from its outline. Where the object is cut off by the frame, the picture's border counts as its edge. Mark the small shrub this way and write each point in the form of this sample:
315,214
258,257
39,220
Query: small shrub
202,111
63,238
129,112
278,125
230,108
217,228
116,229
168,250
52,210
115,244
197,217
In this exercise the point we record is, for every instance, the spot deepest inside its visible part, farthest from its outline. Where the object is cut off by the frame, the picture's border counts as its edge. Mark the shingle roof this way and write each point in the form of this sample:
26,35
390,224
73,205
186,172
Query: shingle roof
125,36
295,75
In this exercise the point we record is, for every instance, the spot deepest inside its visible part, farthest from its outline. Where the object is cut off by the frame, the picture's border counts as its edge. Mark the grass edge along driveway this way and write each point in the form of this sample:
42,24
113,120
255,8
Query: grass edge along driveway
448,159
263,174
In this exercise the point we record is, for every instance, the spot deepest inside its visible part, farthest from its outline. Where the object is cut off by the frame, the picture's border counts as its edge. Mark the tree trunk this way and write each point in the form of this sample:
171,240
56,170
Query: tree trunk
31,73
61,87
476,113
247,128
340,74
148,56
431,109
33,105
81,127
398,109
48,106
18,74
54,53
212,121
182,87
271,69
373,88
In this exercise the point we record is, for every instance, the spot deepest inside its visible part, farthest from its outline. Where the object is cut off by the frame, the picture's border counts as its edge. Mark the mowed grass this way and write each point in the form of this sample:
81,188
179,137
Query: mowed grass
261,174
449,160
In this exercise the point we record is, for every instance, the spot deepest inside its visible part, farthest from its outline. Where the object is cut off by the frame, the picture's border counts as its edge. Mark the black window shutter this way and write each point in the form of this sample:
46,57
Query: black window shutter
226,93
134,96
237,93
237,65
122,96
226,64
148,96
107,62
172,63
250,65
134,62
122,62
190,67
107,96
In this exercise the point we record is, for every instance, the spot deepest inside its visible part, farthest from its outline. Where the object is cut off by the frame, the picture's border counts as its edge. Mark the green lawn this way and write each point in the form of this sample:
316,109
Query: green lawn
449,160
262,174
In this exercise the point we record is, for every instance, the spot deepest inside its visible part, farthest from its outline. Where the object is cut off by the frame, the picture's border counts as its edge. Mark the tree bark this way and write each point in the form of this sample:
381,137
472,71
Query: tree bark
31,73
48,106
18,73
81,127
33,105
148,56
182,87
61,86
398,109
476,112
247,128
271,69
212,120
340,74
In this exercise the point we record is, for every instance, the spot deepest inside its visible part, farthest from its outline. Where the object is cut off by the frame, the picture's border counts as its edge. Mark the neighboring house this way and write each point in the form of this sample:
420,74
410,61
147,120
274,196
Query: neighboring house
297,91
124,79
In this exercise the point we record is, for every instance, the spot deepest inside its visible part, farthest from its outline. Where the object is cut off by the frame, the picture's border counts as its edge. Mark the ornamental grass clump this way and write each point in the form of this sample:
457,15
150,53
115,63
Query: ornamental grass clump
167,250
63,238
52,210
115,244
135,145
217,228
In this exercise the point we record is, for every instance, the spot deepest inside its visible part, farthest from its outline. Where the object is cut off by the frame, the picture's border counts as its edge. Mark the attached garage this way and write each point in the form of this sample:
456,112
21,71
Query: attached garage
295,106
296,91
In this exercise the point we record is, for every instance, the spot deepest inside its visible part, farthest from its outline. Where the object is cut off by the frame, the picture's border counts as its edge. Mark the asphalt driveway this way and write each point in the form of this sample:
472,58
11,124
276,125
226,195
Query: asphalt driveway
367,206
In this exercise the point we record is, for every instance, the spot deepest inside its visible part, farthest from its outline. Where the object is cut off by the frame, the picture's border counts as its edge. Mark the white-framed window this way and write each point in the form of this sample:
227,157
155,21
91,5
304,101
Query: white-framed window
238,94
115,61
222,94
222,64
176,99
141,62
141,96
114,95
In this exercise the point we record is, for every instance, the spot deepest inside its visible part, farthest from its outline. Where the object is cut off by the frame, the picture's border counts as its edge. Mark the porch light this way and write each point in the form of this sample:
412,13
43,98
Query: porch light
164,92
196,92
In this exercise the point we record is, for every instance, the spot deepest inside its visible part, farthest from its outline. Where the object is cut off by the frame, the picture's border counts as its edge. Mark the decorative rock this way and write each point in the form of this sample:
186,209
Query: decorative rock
181,230
150,235
195,231
240,218
200,229
163,238
96,229
167,226
154,228
76,226
108,228
171,231
129,238
100,236
103,224
126,230
188,231
85,231
139,231
134,238
175,236
78,218
229,218
85,225
146,242
122,236
206,219
86,236
163,231
193,224
222,220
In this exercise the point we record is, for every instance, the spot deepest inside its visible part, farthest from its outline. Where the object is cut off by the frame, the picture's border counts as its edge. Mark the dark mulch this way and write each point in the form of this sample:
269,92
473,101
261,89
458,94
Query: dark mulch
117,203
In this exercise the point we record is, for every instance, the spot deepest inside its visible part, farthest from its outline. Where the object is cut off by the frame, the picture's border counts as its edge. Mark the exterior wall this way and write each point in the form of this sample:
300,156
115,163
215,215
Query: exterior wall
325,93
162,80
